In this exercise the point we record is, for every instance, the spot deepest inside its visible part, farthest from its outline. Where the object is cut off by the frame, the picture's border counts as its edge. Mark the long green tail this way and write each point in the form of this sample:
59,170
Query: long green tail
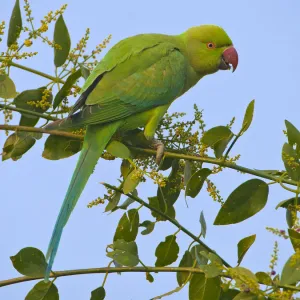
95,141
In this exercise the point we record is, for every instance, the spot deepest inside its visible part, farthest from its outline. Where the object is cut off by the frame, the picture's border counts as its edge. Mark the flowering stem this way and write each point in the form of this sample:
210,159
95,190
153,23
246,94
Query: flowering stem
28,112
54,79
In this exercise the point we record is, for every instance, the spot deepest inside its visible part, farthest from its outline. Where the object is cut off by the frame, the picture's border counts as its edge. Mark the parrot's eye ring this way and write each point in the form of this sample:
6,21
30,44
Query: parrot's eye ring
210,45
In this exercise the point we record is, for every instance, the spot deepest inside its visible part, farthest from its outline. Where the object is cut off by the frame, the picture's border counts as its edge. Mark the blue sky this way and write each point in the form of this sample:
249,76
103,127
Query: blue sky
266,35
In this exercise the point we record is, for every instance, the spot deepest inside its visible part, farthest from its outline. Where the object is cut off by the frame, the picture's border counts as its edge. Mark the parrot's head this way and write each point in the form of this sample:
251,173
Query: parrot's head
210,49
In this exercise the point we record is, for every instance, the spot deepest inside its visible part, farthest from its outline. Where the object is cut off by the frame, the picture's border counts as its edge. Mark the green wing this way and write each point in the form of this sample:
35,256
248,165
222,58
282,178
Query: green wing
131,80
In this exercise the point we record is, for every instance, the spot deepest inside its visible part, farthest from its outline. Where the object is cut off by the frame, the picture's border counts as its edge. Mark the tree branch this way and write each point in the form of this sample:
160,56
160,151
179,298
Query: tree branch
122,270
206,159
173,221
28,112
54,79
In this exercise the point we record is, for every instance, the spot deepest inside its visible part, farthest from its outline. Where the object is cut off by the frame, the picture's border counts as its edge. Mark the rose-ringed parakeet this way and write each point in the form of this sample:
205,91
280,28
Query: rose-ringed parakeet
132,87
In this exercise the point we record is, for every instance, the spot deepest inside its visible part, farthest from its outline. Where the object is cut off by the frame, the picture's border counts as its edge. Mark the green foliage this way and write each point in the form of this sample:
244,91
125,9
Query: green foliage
202,288
43,291
248,116
30,262
98,294
186,261
63,40
18,144
118,149
244,245
128,226
264,278
59,147
291,270
203,224
167,251
131,181
124,253
244,202
196,182
217,138
66,88
7,87
36,100
15,25
149,227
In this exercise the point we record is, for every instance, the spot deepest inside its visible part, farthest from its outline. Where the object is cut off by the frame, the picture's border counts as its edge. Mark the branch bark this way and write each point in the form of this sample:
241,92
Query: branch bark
117,270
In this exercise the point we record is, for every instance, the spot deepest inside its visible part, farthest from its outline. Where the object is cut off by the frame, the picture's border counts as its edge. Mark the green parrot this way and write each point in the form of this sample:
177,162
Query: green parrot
132,87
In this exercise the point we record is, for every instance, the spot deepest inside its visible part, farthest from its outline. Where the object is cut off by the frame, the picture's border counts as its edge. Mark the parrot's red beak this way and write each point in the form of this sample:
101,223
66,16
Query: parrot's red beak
229,57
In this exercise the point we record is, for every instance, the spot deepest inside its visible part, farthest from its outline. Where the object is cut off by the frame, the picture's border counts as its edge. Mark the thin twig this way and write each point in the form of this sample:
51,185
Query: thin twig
28,112
178,155
120,270
52,78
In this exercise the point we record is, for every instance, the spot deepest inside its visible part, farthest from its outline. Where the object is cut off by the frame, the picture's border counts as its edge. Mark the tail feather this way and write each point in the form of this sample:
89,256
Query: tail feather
95,141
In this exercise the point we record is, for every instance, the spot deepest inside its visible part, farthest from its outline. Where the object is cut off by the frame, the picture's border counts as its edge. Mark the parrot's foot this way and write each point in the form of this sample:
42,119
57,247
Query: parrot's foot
160,150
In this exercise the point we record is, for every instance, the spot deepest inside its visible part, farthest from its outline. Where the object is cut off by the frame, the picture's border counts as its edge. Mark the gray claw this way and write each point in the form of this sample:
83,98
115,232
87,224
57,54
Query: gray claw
160,150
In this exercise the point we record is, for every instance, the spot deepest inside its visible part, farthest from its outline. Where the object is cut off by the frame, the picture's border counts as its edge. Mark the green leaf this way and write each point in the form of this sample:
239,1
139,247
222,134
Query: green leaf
215,259
149,227
239,273
43,291
244,202
118,149
171,191
292,133
286,203
248,116
125,168
246,296
290,218
211,270
203,224
291,161
188,166
85,72
131,182
66,88
197,254
196,182
128,226
167,251
217,138
61,38
30,262
7,87
32,100
98,294
229,294
161,205
18,144
264,278
128,201
244,245
15,25
59,147
166,163
124,253
295,239
186,261
113,202
149,277
202,288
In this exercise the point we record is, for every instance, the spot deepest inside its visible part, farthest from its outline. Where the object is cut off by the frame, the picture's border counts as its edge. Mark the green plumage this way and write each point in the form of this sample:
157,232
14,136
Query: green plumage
133,86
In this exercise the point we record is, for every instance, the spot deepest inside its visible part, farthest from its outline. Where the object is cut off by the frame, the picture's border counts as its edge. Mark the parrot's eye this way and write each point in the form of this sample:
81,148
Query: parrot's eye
211,45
